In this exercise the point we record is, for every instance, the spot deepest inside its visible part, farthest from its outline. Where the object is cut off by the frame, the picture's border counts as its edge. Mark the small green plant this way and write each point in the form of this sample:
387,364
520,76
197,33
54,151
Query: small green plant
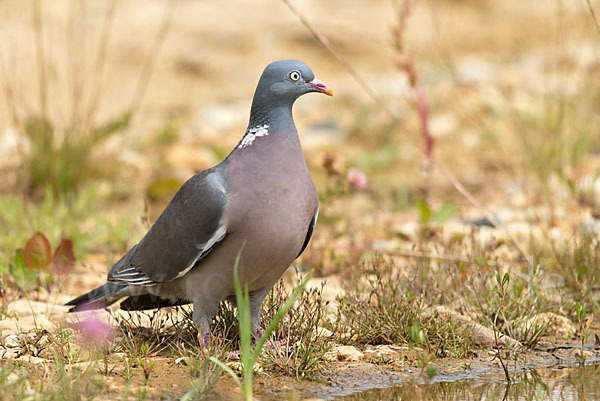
64,161
249,354
576,260
441,215
205,374
424,358
584,327
63,151
145,363
500,291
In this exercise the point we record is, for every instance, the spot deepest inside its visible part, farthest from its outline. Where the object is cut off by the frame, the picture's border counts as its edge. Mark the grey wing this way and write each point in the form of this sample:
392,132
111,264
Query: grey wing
189,228
311,228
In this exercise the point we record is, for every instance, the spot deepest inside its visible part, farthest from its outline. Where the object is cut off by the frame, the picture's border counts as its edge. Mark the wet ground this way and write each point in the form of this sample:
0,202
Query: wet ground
577,383
549,372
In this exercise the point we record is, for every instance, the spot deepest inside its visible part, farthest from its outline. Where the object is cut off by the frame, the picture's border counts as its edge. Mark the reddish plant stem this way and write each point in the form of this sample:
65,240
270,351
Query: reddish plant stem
437,164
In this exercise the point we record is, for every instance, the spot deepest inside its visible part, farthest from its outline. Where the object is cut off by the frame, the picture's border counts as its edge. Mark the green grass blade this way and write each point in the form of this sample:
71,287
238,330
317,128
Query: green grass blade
243,304
227,369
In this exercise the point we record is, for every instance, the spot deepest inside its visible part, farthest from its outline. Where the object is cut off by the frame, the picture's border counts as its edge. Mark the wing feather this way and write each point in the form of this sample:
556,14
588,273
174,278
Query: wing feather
189,228
311,228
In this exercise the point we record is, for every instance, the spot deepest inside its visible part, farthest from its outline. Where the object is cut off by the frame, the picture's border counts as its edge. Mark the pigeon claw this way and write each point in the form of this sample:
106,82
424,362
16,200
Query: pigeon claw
204,340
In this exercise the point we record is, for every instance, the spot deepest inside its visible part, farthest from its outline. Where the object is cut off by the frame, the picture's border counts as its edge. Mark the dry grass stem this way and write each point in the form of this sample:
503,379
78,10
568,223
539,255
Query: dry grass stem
455,182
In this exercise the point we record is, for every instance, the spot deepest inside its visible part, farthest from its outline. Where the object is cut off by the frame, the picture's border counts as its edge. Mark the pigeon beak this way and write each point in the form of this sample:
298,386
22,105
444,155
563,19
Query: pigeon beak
320,87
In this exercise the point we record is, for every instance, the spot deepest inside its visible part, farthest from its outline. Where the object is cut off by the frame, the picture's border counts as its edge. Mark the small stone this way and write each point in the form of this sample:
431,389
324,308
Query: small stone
381,351
347,353
34,360
12,341
236,366
557,324
10,354
407,230
323,332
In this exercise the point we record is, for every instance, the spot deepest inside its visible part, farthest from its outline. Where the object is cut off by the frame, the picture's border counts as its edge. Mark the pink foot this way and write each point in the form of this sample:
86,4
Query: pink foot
278,343
205,340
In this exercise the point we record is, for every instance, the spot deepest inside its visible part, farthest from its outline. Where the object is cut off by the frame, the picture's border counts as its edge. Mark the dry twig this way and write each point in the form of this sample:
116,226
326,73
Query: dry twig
593,14
148,68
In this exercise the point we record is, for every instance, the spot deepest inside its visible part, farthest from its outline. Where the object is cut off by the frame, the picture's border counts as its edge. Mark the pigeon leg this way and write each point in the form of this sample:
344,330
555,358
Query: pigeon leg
256,301
204,312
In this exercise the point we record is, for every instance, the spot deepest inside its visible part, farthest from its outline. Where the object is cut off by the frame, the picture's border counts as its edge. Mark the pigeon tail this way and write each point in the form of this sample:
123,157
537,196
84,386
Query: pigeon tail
99,297
150,301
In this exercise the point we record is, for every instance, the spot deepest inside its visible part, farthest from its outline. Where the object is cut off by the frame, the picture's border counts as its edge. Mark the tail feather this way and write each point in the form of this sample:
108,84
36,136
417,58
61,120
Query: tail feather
98,298
149,301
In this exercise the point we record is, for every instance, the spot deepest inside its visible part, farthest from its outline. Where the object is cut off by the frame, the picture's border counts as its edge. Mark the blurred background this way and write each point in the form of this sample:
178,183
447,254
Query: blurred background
107,107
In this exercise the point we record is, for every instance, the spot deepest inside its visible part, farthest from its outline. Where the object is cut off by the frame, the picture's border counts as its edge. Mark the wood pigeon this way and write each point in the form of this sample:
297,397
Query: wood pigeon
261,198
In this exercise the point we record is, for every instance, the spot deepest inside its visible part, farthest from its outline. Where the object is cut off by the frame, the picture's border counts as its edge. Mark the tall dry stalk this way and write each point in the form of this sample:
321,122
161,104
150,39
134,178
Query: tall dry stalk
61,151
148,68
593,14
76,60
41,58
418,99
454,181
100,63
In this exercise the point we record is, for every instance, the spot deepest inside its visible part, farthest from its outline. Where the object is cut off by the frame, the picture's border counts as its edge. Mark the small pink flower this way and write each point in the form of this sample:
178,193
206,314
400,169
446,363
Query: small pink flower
357,178
95,330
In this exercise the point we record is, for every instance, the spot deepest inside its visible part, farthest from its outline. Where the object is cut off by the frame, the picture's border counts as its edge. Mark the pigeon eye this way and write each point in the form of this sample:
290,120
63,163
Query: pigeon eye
294,76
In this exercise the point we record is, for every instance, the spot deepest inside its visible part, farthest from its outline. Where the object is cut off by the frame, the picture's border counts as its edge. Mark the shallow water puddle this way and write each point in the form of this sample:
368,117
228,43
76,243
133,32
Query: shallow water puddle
580,383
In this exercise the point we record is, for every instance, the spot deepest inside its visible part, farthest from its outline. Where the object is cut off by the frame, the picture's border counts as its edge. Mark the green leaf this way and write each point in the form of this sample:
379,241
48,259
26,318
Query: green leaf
38,252
111,127
580,308
446,211
25,279
505,280
415,333
243,304
381,158
228,370
424,211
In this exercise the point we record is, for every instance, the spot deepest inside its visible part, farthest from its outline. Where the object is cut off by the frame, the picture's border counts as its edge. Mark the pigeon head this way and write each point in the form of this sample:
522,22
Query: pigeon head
281,83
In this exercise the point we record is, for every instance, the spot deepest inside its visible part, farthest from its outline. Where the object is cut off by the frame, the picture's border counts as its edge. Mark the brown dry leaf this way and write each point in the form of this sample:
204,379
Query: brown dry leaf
64,257
38,252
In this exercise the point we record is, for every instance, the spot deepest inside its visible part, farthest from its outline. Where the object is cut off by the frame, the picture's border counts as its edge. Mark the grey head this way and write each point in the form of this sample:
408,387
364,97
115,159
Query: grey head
281,83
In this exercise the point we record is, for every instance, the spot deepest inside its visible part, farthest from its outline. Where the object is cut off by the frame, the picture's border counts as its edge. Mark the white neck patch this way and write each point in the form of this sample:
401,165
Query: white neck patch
253,133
